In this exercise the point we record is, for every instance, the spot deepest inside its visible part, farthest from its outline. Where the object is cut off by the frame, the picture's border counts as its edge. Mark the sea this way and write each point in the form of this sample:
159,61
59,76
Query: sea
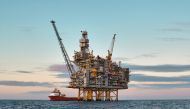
123,104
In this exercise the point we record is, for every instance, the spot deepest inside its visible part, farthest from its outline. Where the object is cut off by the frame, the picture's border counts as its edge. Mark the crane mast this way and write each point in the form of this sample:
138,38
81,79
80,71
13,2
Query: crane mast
65,55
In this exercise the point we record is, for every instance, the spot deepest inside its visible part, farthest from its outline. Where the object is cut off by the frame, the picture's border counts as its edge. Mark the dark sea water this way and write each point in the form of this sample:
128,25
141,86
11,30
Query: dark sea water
126,104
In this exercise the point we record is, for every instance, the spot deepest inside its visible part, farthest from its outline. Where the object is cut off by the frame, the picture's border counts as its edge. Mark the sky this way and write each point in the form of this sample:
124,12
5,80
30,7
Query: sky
153,40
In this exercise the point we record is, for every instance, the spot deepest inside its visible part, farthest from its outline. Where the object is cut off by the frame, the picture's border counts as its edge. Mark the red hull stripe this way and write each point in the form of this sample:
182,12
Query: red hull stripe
62,98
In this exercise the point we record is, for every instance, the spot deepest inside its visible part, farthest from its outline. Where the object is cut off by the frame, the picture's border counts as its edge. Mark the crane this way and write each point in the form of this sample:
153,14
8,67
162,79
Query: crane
110,51
65,55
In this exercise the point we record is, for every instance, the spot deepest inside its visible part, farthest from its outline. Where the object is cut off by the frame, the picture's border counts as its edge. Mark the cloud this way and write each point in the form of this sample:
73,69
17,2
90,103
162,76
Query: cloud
22,71
172,29
63,75
25,84
120,59
3,71
159,68
171,39
62,84
58,68
177,27
183,24
38,92
151,82
61,69
181,28
183,85
160,86
147,55
145,78
26,28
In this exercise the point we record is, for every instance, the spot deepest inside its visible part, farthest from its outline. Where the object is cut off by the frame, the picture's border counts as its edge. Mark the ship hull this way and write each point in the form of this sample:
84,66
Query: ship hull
62,98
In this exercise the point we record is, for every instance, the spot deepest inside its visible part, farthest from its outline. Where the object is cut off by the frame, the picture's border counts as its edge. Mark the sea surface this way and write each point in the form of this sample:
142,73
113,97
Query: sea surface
125,104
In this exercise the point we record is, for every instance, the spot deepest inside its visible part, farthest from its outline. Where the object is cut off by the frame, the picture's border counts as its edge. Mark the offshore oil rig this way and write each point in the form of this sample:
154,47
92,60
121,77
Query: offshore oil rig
96,78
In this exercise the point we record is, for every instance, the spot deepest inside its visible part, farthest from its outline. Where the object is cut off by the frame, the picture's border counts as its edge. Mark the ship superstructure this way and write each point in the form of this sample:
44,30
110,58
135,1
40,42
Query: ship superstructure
97,78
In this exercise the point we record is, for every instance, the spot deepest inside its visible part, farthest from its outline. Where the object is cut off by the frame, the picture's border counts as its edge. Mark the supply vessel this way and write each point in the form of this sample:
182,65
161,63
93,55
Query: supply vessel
56,95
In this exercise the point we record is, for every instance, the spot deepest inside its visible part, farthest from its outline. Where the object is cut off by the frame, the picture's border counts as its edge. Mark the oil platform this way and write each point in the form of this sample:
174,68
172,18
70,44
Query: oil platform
96,78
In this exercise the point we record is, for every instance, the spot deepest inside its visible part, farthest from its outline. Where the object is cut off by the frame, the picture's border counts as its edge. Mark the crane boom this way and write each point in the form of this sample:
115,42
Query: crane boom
110,51
112,44
65,55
